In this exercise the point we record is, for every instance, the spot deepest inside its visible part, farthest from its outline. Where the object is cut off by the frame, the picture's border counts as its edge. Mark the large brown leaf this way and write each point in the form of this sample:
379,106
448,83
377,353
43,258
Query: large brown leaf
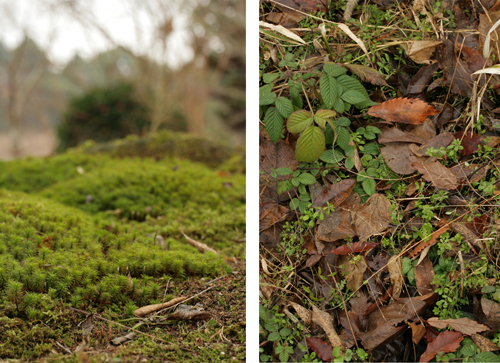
441,140
336,226
399,157
438,174
335,193
392,134
395,273
353,271
424,274
447,341
354,248
465,326
403,110
372,217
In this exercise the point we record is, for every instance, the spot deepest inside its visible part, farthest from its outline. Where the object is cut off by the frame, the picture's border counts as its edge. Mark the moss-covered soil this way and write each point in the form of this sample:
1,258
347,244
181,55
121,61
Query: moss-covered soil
102,234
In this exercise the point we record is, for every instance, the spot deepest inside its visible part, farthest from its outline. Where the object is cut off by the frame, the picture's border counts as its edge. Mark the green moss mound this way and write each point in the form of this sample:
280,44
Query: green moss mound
80,230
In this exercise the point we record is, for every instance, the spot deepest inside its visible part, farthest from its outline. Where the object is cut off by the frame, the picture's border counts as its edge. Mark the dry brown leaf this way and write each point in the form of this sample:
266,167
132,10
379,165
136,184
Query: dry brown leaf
325,321
424,274
403,110
392,134
336,226
303,313
420,51
372,217
396,275
367,74
399,157
441,140
123,339
353,272
145,310
465,326
417,331
273,214
335,193
438,174
484,344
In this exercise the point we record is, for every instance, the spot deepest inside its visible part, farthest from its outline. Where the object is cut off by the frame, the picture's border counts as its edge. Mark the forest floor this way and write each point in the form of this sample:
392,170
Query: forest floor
380,181
88,240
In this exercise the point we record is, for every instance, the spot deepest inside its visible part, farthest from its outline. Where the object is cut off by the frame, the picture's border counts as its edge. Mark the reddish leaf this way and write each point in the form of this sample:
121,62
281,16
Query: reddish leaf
470,142
335,193
356,247
404,110
447,341
322,349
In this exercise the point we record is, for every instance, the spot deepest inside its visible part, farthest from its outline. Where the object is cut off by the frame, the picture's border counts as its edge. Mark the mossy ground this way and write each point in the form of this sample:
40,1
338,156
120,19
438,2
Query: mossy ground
78,230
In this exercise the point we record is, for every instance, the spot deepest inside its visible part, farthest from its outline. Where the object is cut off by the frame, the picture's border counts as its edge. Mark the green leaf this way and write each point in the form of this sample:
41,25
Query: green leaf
329,135
369,186
289,57
373,129
343,137
307,179
274,124
405,265
353,97
294,204
349,150
487,357
469,350
331,156
349,163
333,70
267,99
274,336
284,171
328,89
284,106
299,121
310,145
371,148
296,99
339,105
371,172
343,121
321,117
295,182
285,332
265,89
284,356
270,77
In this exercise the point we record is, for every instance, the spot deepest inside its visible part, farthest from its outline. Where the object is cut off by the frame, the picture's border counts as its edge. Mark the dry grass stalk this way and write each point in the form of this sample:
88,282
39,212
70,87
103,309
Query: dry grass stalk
200,246
145,310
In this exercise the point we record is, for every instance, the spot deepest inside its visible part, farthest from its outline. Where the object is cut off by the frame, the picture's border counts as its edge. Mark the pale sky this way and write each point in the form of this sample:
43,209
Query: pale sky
115,16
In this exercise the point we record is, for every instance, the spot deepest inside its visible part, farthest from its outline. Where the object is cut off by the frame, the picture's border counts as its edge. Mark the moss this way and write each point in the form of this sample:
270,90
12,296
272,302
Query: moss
60,248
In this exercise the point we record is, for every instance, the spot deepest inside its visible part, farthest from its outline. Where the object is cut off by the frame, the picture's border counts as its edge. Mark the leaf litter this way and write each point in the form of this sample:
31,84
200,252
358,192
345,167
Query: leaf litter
378,270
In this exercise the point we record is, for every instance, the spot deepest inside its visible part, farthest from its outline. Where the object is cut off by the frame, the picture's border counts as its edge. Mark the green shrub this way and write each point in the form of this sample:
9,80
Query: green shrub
103,114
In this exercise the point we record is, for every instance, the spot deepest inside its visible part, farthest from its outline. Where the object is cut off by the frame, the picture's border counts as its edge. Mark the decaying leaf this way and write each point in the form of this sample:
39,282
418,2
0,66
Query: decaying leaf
353,270
399,157
145,310
322,349
372,217
420,51
336,226
484,344
417,331
403,110
438,174
393,134
424,274
273,214
187,312
367,74
395,273
465,326
335,193
441,140
447,341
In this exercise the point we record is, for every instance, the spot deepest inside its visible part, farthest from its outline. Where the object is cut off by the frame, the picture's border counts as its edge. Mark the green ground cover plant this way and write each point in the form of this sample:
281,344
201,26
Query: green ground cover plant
104,235
380,183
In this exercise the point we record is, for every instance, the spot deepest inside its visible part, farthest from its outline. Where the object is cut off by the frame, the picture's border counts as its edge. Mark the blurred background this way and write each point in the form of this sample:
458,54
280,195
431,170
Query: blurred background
72,70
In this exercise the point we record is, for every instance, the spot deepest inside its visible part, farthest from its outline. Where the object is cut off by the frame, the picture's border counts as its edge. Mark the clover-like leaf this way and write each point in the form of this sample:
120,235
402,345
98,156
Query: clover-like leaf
310,145
321,117
299,121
